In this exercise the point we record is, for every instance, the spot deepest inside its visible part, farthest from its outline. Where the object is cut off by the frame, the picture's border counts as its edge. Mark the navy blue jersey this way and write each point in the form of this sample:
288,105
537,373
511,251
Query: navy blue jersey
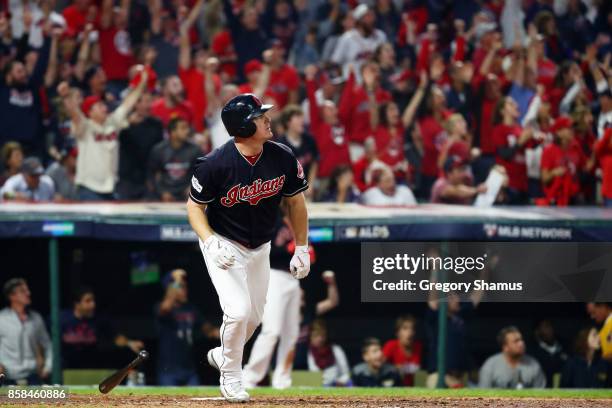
243,199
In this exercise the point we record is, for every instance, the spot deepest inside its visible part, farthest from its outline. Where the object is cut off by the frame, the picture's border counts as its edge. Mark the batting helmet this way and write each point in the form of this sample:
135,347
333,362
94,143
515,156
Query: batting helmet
238,114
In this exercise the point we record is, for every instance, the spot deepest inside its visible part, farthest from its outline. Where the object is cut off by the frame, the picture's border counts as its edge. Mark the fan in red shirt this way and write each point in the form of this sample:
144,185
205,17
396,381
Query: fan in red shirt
510,142
562,162
389,138
193,73
115,44
223,48
362,103
391,131
434,136
404,352
76,15
603,152
284,79
172,102
325,126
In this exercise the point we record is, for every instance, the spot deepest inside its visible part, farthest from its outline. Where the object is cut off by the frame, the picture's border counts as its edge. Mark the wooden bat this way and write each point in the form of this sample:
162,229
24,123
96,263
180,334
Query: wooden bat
116,378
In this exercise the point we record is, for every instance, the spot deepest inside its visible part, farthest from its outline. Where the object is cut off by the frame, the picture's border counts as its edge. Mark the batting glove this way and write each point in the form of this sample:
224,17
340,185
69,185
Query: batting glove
219,252
300,263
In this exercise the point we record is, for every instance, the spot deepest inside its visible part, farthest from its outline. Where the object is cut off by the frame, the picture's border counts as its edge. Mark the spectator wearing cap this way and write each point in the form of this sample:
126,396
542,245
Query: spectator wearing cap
63,172
179,324
26,356
328,131
603,153
386,192
358,44
31,184
96,132
512,367
563,162
135,145
510,141
302,144
172,102
248,37
20,103
171,163
455,185
11,156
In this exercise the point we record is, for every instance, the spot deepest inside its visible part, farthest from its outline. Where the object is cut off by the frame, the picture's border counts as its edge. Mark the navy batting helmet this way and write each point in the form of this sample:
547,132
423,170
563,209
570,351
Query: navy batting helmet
238,114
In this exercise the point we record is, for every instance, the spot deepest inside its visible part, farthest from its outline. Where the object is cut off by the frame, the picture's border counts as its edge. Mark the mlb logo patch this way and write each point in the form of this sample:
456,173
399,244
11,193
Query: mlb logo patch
196,184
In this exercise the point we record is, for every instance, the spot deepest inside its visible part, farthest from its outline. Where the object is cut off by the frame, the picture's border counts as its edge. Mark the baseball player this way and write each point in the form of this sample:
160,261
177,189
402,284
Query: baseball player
235,194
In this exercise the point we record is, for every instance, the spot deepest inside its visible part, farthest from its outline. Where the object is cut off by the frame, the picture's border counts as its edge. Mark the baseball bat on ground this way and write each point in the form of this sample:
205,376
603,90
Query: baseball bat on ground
116,378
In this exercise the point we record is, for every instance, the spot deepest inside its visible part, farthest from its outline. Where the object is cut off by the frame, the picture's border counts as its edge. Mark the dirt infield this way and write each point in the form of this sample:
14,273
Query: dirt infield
266,401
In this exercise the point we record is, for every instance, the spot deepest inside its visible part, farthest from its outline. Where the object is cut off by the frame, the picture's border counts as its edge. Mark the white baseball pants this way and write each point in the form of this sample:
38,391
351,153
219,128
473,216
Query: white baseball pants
281,323
242,293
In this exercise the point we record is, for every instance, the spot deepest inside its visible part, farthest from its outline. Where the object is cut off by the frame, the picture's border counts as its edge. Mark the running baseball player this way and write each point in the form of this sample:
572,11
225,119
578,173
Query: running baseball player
235,194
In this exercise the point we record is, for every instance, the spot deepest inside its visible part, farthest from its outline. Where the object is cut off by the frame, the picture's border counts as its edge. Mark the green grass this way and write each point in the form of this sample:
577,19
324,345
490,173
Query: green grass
358,392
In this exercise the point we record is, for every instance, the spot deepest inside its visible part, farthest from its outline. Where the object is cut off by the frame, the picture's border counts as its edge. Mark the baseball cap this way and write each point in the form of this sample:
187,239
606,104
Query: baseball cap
454,162
32,166
89,102
360,11
562,122
252,66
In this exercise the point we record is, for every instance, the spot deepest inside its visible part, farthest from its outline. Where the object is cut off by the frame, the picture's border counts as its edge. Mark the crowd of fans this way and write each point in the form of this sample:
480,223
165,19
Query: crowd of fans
385,102
88,340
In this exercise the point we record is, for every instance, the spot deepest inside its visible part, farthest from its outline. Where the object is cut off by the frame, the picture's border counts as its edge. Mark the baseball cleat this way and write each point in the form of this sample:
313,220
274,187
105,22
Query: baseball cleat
234,392
211,360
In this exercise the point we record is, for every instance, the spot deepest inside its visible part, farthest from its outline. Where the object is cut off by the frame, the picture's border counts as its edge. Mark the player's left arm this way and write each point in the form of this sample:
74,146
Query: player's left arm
298,217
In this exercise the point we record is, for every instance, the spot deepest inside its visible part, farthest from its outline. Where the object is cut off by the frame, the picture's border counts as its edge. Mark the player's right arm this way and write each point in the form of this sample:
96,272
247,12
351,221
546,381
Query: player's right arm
203,191
197,218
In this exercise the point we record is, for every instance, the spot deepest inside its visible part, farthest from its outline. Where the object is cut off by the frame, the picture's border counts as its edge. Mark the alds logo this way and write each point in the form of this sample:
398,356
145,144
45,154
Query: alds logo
254,192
